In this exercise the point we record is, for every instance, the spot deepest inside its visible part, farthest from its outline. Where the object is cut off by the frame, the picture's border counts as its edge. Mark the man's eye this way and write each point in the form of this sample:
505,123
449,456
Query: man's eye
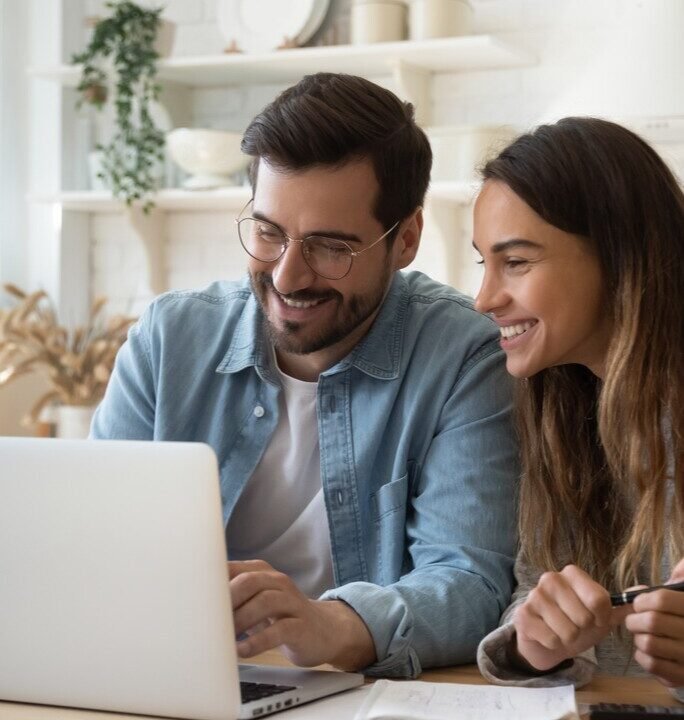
269,234
327,245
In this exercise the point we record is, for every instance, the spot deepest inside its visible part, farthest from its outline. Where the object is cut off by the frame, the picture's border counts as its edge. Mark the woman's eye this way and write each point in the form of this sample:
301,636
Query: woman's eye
513,263
479,262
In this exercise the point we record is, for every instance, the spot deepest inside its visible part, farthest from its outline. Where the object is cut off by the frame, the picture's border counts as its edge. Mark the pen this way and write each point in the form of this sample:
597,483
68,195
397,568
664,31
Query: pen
626,597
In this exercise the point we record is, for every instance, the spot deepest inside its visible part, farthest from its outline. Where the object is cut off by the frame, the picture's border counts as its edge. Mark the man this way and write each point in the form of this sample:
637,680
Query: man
360,415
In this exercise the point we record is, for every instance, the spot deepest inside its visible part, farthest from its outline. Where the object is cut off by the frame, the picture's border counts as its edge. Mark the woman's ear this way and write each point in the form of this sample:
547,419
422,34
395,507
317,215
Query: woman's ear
407,241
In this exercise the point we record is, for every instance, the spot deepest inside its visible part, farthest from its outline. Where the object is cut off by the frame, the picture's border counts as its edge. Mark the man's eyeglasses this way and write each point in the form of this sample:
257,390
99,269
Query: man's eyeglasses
328,257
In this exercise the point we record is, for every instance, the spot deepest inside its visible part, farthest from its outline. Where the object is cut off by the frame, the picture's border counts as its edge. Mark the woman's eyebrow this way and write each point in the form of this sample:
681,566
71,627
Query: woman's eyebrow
515,243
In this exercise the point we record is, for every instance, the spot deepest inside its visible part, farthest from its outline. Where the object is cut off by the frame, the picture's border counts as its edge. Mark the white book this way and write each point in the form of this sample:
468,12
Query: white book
417,700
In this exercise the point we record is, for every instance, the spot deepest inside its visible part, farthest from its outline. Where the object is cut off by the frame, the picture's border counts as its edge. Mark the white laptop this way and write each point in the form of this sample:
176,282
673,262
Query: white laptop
114,592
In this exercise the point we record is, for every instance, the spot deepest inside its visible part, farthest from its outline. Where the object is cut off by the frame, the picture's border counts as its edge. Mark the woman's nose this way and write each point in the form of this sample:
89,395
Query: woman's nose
490,296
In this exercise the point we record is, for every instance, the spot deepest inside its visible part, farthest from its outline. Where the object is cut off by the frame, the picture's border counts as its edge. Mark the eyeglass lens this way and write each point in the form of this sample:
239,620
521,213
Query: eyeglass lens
328,257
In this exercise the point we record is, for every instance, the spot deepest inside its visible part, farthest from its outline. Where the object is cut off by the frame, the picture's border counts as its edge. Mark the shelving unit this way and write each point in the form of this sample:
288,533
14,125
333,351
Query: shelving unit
467,53
227,198
411,65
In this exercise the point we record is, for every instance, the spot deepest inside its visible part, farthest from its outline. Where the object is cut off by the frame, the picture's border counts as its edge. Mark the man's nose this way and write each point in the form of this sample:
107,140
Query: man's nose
291,272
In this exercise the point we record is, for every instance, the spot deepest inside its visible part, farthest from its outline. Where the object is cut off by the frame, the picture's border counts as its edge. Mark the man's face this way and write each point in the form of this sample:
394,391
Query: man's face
307,314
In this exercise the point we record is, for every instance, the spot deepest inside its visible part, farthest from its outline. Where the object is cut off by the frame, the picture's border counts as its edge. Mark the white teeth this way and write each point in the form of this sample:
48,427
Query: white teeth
510,331
299,304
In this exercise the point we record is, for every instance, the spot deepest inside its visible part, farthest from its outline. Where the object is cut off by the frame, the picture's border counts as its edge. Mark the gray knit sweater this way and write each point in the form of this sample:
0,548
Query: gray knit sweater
613,656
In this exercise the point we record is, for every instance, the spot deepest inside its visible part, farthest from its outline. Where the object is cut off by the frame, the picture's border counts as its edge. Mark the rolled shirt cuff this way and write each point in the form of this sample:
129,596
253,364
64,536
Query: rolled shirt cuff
390,624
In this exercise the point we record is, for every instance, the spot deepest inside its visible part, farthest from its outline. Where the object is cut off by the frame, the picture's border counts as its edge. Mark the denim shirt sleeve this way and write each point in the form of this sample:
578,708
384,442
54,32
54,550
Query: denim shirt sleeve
460,533
127,411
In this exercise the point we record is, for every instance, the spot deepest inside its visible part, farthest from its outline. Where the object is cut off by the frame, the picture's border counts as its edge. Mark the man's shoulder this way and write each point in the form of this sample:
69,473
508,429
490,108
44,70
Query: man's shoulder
218,293
440,303
224,298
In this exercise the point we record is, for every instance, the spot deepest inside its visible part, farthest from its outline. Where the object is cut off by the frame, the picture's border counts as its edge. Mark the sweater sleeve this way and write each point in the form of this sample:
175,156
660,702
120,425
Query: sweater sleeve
495,650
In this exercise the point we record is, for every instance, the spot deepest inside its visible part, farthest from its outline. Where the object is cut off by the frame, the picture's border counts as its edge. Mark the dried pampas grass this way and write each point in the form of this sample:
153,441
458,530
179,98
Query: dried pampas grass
77,363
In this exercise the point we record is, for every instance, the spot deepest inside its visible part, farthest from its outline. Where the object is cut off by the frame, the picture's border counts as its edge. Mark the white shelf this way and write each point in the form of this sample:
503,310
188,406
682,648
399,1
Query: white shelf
473,52
228,198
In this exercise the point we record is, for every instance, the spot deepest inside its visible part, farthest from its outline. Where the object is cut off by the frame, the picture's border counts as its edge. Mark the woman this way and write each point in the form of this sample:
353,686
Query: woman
581,230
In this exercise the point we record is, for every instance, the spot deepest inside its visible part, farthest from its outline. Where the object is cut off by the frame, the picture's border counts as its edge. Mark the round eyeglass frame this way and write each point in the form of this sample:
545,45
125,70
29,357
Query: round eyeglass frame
287,239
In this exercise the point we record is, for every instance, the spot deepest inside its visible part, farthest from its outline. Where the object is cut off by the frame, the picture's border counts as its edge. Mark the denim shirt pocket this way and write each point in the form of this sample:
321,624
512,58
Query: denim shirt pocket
388,508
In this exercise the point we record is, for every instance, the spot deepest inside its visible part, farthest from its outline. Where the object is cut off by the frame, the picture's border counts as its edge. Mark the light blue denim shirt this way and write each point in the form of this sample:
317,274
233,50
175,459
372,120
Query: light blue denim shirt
418,458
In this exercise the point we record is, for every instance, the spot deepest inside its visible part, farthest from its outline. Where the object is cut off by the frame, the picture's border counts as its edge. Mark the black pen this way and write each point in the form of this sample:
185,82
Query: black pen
627,597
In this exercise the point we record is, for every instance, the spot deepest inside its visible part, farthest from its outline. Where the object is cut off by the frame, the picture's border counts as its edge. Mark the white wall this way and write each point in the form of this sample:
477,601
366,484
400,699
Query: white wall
566,35
13,119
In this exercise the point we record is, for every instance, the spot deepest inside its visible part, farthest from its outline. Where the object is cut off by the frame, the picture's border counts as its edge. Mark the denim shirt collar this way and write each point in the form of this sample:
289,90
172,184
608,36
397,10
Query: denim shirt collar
378,354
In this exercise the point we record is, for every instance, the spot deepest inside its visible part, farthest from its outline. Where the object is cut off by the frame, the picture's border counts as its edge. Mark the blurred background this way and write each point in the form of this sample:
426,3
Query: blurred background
477,71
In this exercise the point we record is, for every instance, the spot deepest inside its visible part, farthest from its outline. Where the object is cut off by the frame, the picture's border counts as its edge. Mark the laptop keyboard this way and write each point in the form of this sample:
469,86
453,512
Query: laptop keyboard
258,691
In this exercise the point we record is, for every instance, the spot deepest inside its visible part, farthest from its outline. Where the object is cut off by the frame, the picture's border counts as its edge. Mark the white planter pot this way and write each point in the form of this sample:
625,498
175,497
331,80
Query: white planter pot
439,18
73,421
374,21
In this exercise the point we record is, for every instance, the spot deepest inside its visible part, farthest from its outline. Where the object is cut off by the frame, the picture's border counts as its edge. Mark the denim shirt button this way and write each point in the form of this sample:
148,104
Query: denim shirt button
340,498
259,411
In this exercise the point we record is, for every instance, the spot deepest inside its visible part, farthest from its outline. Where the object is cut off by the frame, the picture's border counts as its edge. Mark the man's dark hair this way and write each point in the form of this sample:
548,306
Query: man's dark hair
332,119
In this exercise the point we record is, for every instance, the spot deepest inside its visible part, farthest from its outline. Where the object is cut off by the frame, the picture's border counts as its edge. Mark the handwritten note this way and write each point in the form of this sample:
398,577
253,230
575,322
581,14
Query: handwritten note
416,700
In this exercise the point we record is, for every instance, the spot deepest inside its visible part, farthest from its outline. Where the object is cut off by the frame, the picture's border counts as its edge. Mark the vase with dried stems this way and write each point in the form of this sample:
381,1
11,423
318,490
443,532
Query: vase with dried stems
77,363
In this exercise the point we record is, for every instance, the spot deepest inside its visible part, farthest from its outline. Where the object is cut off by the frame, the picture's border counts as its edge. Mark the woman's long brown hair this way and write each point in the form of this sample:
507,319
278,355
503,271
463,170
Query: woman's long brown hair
599,457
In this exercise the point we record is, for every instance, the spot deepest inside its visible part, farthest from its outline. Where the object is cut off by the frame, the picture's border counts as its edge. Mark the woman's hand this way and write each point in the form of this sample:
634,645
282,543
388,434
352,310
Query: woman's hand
565,614
658,627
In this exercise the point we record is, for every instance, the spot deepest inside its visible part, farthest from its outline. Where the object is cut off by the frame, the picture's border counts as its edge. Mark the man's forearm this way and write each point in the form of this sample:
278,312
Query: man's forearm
351,641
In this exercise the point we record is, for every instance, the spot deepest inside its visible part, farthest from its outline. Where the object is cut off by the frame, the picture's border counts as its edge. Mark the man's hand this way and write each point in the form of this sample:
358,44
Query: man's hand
272,612
565,614
658,628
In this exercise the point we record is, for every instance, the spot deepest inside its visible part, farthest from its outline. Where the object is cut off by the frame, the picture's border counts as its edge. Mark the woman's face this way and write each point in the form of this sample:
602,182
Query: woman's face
542,286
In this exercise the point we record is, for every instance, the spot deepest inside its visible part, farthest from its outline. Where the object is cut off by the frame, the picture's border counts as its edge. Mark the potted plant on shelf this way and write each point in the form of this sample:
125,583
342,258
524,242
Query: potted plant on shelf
76,363
128,41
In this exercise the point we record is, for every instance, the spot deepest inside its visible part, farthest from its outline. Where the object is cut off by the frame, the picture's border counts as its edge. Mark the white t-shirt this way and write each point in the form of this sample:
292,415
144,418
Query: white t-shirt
281,516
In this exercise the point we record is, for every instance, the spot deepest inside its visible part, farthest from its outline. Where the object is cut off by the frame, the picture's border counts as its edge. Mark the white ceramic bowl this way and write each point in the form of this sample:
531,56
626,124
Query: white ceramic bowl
210,156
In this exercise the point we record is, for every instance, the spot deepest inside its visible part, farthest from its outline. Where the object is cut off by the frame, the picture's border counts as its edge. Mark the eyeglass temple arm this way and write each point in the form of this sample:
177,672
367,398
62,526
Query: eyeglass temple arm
382,237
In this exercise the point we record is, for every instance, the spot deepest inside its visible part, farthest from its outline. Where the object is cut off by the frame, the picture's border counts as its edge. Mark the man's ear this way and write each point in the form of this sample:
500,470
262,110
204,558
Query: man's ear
407,241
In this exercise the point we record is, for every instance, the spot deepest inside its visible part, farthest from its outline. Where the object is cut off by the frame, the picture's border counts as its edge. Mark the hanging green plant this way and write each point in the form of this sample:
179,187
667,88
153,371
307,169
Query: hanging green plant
132,155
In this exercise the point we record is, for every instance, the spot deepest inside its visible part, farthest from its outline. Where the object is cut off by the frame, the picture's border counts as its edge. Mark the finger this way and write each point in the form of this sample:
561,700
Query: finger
589,603
619,614
660,647
237,567
245,586
668,672
534,629
556,602
534,626
265,606
652,622
664,601
282,632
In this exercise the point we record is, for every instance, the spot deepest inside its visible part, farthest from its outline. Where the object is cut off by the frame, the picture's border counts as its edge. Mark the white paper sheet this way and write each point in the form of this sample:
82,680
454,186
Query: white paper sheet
416,700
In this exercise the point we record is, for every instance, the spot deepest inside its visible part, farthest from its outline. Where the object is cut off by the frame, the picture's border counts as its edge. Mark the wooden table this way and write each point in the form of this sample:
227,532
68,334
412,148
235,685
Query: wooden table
604,688
644,691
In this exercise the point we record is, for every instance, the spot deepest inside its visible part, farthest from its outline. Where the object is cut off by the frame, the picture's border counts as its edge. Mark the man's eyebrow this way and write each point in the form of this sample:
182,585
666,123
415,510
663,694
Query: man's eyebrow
335,234
512,244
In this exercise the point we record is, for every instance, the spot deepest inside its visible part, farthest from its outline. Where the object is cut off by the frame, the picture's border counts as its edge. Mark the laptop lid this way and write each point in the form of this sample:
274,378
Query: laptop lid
113,585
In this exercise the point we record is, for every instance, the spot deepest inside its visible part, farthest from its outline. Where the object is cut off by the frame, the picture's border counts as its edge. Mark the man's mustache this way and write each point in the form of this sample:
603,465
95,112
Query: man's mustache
265,282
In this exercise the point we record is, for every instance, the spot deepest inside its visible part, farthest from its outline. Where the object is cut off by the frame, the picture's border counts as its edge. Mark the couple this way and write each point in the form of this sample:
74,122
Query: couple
362,417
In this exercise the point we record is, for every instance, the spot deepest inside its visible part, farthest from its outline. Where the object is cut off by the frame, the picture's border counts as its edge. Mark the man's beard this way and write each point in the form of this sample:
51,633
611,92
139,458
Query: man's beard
292,338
